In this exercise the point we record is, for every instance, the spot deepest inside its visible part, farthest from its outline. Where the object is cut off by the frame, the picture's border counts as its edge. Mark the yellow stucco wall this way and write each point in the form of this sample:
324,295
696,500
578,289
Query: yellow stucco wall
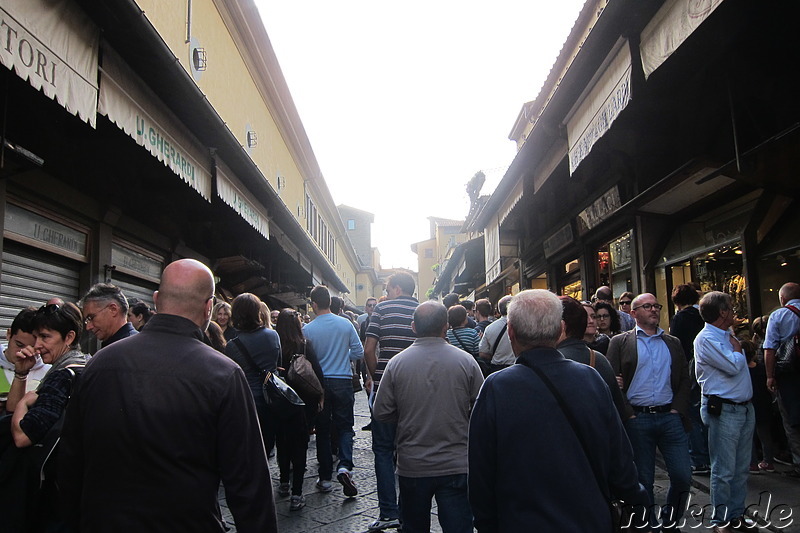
232,90
426,275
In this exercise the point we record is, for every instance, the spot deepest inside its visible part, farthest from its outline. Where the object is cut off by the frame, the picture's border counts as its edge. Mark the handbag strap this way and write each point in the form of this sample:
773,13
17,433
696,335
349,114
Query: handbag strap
459,340
246,353
572,422
499,338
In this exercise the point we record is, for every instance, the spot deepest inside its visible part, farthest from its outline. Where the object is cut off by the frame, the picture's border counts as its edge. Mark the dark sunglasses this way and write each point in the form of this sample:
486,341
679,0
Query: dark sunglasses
625,302
49,309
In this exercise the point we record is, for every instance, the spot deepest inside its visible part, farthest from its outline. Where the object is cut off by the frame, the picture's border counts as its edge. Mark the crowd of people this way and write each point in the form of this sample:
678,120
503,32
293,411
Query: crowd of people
464,397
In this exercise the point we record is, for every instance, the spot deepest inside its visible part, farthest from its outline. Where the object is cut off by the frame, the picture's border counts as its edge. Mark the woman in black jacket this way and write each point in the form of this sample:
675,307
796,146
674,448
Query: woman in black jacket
292,433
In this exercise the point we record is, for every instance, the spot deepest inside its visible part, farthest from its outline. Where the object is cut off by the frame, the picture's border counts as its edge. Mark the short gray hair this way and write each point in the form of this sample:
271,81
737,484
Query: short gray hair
535,316
502,305
106,293
712,303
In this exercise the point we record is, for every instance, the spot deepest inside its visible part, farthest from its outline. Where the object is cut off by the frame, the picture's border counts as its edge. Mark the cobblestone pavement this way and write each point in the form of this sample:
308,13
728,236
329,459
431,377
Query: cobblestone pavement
334,513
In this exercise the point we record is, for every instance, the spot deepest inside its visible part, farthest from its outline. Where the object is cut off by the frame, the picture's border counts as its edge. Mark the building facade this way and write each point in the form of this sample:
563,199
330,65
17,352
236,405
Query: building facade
140,132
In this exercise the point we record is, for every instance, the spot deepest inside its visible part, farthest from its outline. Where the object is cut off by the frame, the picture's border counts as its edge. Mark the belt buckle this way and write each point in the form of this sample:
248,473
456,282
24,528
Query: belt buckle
651,409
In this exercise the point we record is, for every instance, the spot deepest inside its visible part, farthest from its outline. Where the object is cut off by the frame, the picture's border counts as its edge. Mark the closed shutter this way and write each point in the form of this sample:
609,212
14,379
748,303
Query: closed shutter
30,277
135,288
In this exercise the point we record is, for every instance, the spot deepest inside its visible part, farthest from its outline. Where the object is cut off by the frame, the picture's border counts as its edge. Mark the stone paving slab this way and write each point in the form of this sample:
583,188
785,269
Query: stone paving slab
334,513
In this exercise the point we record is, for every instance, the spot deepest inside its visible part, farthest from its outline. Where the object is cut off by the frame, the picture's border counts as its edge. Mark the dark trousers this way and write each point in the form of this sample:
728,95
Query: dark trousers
455,515
292,442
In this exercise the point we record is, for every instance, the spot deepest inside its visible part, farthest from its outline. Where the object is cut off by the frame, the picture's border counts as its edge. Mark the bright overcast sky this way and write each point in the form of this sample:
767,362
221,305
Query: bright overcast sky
405,102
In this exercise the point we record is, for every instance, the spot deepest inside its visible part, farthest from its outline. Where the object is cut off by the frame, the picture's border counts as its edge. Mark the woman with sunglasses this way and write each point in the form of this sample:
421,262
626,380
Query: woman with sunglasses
607,319
596,341
57,330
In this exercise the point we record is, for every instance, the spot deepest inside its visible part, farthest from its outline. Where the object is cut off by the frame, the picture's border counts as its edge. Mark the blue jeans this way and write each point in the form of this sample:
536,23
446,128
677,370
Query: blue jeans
337,412
383,435
664,431
730,441
698,436
455,515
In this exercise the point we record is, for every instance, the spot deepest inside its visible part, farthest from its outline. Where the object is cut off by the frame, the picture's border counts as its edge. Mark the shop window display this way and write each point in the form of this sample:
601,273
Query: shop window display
721,269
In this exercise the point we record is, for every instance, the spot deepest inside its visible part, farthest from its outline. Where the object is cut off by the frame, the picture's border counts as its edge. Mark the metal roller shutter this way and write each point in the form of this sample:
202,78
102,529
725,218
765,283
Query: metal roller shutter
135,288
30,277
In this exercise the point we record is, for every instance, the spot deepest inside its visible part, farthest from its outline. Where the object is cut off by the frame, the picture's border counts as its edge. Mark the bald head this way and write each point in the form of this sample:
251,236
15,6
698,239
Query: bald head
430,319
789,291
187,290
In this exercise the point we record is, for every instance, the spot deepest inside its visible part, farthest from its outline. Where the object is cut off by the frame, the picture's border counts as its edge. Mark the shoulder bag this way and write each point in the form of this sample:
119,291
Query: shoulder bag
618,513
787,356
301,377
282,400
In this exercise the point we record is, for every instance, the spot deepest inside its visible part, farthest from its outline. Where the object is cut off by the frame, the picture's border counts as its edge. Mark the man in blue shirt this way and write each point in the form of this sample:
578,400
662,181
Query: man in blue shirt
726,409
336,343
783,377
655,382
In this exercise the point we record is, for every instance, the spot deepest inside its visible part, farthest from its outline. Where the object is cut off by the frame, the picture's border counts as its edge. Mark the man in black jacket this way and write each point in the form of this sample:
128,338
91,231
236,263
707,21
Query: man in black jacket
525,456
159,419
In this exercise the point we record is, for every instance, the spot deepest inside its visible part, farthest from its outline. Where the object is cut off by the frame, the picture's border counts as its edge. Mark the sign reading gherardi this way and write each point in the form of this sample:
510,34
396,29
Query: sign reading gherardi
53,45
31,227
131,105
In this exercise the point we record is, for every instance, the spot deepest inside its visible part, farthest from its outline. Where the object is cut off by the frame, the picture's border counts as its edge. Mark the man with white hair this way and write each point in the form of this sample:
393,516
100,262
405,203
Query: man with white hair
524,456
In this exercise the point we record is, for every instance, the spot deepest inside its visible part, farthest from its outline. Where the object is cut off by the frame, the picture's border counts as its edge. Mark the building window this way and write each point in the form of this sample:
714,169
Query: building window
351,224
428,253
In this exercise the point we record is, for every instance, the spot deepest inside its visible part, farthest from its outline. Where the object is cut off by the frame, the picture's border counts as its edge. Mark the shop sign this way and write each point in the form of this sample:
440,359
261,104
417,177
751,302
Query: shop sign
37,229
131,105
601,106
231,193
600,210
669,28
53,45
135,263
558,241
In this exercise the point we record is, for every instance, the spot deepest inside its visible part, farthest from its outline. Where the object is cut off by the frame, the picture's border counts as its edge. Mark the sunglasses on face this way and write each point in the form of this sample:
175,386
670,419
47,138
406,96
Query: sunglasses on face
602,317
625,302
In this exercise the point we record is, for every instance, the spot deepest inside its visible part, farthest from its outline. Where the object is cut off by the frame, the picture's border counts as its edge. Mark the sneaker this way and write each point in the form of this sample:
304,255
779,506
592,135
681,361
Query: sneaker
346,479
766,467
701,470
785,460
754,469
793,473
283,489
324,485
297,502
384,523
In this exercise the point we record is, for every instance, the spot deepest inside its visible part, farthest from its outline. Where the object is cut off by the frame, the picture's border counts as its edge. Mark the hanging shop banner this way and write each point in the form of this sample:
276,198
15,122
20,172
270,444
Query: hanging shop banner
602,208
127,101
492,251
673,24
232,192
600,107
34,229
53,45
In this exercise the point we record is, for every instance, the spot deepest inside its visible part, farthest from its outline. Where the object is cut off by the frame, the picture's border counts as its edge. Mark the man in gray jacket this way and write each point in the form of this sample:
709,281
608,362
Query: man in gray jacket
431,442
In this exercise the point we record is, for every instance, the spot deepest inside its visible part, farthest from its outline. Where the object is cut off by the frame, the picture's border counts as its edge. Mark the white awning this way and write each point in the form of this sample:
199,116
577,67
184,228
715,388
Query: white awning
603,103
667,30
233,193
491,243
53,45
127,101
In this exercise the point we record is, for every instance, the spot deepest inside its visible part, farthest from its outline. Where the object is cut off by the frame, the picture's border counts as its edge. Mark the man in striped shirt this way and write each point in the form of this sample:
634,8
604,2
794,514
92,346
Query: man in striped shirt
390,325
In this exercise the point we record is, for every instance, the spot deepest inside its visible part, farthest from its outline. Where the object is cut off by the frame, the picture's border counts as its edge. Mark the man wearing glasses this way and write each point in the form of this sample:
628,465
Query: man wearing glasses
653,373
105,312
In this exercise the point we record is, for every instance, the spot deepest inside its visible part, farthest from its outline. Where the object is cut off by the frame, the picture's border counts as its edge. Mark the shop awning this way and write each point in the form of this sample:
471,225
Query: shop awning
669,28
53,45
233,193
131,105
597,109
